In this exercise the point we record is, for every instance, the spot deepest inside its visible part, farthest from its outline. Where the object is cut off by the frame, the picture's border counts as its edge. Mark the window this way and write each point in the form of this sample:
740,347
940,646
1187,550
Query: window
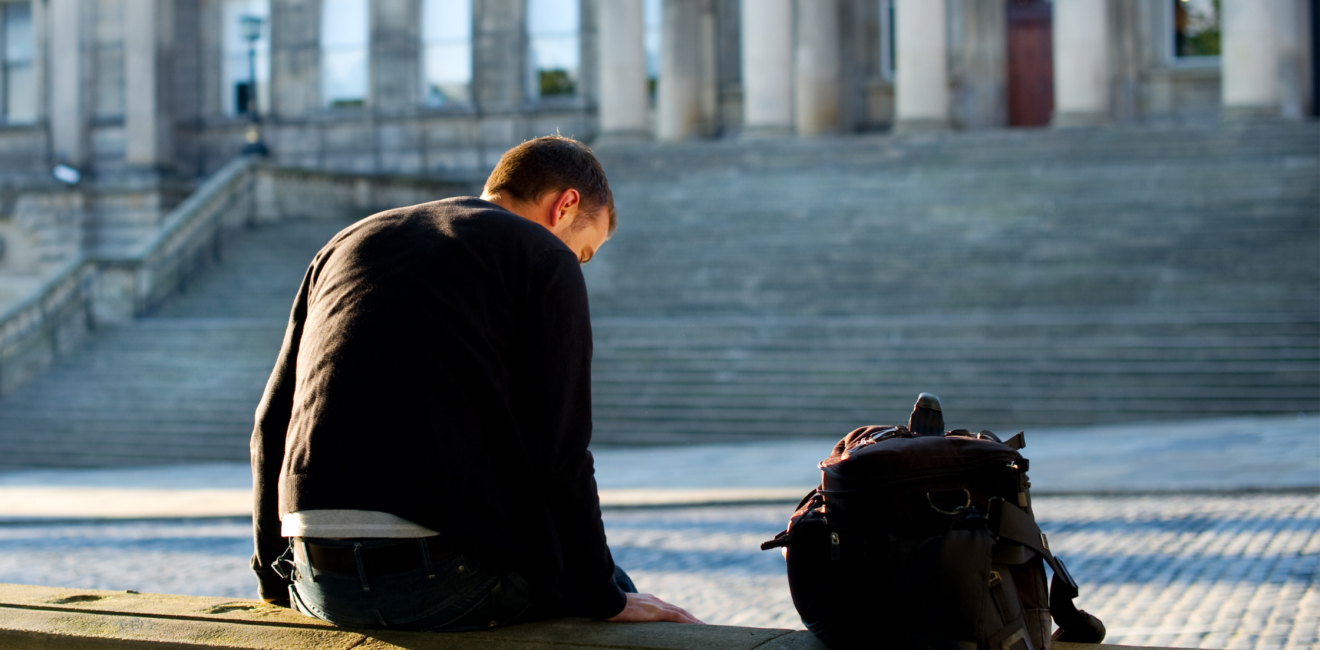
446,52
19,81
237,72
1195,28
108,59
888,49
553,52
652,27
345,32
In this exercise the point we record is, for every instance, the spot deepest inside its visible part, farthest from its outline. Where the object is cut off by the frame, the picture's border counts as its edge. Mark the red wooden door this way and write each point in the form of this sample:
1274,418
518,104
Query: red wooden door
1030,63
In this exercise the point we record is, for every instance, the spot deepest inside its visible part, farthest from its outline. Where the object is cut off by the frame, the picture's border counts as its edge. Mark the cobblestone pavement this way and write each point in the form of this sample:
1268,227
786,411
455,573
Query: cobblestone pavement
1169,570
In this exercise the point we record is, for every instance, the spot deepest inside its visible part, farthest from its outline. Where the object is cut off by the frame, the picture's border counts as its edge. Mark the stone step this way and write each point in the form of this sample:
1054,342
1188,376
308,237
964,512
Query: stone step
805,287
688,379
1001,148
181,385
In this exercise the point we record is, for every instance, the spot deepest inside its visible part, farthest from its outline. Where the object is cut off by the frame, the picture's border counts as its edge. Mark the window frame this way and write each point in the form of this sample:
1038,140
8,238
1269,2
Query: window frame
6,66
423,45
109,78
885,41
1170,42
228,85
324,101
652,82
533,86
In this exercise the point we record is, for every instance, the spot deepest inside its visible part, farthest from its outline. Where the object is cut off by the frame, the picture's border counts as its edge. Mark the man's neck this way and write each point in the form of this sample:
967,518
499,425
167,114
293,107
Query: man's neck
508,204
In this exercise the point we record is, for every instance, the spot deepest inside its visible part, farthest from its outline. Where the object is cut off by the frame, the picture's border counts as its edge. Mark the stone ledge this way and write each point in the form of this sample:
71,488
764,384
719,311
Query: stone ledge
46,618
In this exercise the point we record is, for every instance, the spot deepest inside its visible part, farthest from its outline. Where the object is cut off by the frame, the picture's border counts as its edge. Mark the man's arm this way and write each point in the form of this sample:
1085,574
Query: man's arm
267,447
560,358
555,408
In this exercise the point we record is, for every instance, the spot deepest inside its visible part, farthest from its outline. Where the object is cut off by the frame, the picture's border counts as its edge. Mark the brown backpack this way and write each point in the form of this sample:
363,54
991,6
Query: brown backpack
921,538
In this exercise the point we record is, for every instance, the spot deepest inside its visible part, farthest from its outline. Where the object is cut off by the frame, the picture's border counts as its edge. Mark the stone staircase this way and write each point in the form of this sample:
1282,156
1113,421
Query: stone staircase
180,385
1030,278
662,380
804,287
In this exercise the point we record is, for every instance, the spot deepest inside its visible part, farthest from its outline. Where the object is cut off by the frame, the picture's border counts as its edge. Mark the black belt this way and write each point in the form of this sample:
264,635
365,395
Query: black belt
404,555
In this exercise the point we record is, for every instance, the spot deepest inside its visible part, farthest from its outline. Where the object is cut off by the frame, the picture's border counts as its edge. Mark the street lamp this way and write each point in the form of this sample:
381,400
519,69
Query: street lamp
252,33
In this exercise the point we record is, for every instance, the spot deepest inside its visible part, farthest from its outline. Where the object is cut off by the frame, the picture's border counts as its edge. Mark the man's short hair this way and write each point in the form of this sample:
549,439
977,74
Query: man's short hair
553,163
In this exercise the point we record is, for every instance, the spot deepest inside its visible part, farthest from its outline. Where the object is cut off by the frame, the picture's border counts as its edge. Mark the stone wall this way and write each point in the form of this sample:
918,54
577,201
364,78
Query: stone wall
23,151
50,322
286,193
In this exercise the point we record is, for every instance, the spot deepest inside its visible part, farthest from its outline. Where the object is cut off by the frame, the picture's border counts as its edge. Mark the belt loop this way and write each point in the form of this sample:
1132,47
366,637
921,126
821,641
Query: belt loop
362,572
426,557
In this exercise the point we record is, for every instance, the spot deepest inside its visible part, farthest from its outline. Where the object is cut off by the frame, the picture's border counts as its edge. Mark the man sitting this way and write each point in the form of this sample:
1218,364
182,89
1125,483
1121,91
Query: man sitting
420,453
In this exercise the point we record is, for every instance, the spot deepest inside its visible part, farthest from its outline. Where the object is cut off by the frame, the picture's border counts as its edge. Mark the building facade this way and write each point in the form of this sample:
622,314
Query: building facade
140,98
424,86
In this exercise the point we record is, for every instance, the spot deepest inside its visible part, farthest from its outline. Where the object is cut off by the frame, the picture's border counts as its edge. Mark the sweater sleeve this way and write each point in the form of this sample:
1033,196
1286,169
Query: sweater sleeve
560,349
267,447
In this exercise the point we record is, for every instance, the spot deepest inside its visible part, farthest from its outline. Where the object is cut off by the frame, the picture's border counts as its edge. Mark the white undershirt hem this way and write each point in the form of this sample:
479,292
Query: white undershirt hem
349,524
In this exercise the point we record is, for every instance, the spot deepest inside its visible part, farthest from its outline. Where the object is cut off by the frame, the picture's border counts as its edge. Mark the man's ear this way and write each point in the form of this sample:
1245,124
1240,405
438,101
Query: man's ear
564,209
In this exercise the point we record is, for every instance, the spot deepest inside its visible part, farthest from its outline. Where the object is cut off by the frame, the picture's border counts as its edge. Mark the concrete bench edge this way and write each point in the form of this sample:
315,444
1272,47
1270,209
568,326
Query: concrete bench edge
48,617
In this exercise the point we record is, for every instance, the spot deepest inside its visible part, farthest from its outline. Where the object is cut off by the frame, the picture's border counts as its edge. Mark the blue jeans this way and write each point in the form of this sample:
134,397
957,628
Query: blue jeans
452,593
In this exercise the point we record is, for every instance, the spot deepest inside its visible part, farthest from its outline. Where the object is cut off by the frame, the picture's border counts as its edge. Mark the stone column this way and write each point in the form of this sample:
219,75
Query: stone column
295,58
67,125
1081,62
710,84
1249,58
1292,30
395,55
767,64
148,26
817,67
40,63
678,97
921,76
622,60
499,53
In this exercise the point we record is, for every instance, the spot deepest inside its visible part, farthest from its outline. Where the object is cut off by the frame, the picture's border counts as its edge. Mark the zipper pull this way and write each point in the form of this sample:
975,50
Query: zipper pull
834,547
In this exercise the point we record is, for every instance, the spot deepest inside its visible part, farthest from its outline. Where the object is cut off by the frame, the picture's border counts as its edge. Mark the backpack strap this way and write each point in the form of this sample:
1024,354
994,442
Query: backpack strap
785,537
1012,523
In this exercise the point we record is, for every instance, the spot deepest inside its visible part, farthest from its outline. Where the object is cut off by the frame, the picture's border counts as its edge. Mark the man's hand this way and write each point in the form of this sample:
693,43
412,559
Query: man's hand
645,607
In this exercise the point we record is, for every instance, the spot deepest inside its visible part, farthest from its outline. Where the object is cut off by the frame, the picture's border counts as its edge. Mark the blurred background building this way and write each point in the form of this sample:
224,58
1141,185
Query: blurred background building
826,204
421,86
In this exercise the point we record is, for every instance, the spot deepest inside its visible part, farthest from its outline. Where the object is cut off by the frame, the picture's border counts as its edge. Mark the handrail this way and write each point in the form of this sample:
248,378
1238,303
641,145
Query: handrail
39,327
36,297
187,211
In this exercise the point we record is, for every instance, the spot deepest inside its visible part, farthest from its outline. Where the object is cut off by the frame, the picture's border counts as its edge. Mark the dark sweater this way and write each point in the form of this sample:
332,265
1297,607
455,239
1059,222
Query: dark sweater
437,366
